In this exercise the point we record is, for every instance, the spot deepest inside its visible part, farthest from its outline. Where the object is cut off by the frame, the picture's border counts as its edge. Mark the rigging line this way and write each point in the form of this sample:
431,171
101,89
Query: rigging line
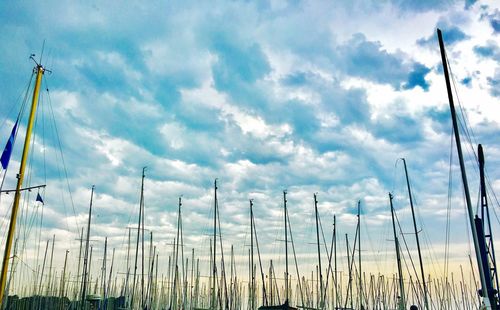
184,271
406,244
384,249
28,223
323,234
61,192
45,182
423,229
350,285
39,237
32,220
43,142
23,221
260,262
408,269
428,244
26,94
19,259
223,269
62,157
294,255
466,223
471,155
494,210
492,192
448,207
276,248
394,174
328,254
467,129
206,240
464,123
124,236
478,201
370,242
19,117
41,54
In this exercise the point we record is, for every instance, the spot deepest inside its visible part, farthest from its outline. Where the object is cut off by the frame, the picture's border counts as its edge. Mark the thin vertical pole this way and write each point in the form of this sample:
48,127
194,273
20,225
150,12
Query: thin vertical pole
422,274
359,257
488,303
50,265
335,259
286,248
85,258
214,266
401,302
485,216
252,274
79,262
63,278
143,243
321,301
137,243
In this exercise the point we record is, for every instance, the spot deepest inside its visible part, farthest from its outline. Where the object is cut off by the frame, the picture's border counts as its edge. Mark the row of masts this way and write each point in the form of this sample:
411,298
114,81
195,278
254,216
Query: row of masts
144,292
215,295
380,292
370,291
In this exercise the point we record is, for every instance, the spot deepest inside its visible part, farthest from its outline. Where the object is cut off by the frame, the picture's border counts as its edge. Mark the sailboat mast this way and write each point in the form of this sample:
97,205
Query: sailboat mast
424,284
79,262
50,265
110,287
488,303
335,260
142,235
20,177
43,268
485,216
86,256
173,302
489,259
126,289
359,258
321,303
349,268
63,278
252,279
286,249
214,269
137,241
401,302
103,268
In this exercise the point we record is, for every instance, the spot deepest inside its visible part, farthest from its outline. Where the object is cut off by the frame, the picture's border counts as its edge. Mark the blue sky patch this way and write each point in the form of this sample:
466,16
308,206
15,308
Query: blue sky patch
417,77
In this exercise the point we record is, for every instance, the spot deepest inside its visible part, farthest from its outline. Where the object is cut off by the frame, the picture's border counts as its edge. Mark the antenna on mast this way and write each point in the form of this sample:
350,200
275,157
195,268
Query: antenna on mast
43,49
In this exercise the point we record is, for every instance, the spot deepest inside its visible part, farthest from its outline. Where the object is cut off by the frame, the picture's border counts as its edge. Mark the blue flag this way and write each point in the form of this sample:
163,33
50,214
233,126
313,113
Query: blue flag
8,148
39,198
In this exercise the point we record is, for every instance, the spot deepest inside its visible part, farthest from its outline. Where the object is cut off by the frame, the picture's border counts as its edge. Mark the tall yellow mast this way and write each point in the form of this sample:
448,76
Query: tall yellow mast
12,226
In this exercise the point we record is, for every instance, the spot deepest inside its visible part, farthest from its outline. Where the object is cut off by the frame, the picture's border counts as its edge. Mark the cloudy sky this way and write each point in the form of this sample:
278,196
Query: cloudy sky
312,97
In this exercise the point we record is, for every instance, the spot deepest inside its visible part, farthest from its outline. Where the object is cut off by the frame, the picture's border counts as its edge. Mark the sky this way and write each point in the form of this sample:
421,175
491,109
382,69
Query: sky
305,96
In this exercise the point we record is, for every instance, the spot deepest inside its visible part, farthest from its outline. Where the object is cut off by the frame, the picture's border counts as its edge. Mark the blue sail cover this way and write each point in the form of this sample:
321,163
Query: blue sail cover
8,148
